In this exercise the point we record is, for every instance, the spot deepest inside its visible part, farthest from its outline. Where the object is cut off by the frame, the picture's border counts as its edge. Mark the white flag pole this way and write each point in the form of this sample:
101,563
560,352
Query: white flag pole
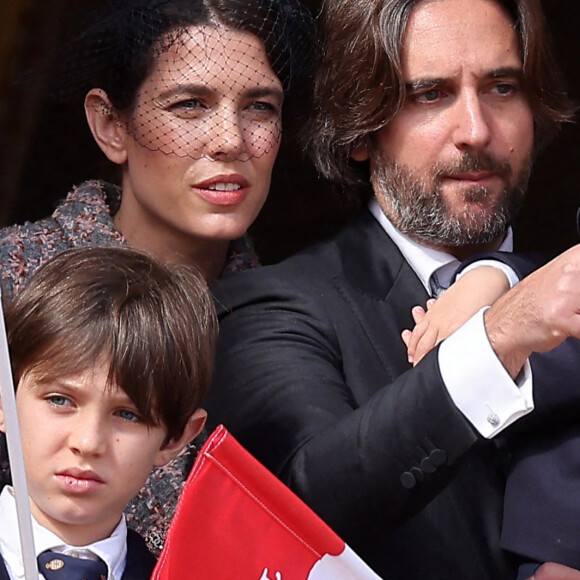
16,457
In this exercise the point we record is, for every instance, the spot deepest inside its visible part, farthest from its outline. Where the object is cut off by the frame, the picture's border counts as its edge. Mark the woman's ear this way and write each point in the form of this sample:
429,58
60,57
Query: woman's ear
109,133
191,431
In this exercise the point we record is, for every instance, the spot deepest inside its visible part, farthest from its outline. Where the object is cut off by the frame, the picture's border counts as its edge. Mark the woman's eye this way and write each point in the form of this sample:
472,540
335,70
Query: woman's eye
187,105
265,110
128,415
262,106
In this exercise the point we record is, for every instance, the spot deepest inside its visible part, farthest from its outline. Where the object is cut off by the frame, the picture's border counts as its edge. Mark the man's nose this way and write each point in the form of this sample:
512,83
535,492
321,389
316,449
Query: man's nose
472,129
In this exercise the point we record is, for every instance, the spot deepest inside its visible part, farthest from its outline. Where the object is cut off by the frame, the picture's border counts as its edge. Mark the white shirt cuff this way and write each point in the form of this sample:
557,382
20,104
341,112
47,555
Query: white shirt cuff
509,272
478,383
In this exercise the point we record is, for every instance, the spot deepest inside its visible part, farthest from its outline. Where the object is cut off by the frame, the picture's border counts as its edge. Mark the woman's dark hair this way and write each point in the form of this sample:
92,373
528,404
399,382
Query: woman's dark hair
360,87
153,325
117,52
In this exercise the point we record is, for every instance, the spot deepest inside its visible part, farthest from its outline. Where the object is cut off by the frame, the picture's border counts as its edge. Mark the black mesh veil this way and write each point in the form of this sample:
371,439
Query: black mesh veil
178,72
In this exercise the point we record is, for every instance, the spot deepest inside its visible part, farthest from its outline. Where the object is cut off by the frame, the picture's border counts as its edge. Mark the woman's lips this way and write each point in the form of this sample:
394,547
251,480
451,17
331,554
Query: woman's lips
224,190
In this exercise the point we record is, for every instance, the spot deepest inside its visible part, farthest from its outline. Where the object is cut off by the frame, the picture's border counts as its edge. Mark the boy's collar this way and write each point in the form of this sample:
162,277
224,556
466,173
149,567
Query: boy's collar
112,550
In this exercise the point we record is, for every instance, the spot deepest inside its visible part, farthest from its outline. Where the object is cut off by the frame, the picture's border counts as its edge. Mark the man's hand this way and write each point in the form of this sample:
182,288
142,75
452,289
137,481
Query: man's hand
555,572
537,314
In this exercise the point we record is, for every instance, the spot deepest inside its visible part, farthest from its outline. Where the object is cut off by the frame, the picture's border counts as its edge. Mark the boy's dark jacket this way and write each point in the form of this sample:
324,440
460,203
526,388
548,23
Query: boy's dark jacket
541,508
140,562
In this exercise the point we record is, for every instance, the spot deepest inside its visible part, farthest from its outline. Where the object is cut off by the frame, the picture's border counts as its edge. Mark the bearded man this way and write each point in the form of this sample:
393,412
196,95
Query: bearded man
442,104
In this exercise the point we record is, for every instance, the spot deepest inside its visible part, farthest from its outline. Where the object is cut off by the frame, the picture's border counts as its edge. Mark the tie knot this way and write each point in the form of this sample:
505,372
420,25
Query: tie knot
56,566
443,277
81,553
436,286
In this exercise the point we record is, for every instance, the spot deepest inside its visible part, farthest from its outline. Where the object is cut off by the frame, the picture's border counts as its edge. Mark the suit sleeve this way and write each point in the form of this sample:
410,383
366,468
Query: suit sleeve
555,394
521,264
280,388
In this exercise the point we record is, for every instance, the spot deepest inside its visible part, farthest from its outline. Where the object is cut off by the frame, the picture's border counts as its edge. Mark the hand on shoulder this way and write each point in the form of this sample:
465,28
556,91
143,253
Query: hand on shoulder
539,313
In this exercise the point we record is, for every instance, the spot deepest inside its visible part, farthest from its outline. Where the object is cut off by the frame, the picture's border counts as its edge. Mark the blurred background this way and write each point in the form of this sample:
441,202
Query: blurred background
46,148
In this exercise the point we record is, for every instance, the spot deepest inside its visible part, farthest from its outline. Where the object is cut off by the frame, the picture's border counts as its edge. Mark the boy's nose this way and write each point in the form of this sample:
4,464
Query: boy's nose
88,436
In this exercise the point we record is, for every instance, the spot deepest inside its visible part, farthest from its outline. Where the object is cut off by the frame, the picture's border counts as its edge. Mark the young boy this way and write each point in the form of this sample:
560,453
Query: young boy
541,517
112,355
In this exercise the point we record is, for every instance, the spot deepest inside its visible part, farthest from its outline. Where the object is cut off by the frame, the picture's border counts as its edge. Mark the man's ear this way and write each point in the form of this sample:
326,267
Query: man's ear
108,131
361,152
174,446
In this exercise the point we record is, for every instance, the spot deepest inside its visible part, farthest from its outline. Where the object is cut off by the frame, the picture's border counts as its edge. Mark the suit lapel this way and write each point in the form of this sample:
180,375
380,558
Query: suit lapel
380,287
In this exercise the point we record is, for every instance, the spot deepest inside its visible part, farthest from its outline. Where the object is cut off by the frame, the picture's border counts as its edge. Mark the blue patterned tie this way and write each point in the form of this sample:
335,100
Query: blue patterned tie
435,285
55,566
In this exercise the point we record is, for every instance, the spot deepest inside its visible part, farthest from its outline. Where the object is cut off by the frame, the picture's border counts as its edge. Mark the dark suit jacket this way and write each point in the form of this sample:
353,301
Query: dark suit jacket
312,377
140,562
542,501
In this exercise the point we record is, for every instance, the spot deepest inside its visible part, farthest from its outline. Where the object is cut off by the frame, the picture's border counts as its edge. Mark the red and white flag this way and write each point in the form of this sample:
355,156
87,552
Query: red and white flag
235,519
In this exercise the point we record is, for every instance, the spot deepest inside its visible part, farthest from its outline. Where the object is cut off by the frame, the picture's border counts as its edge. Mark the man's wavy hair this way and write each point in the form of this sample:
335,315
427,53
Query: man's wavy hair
360,87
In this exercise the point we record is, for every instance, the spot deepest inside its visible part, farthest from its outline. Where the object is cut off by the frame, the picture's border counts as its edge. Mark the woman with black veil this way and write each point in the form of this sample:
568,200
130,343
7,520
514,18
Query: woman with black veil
188,98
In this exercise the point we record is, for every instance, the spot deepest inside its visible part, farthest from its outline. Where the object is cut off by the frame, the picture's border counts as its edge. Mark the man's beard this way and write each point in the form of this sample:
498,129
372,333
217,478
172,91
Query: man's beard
425,215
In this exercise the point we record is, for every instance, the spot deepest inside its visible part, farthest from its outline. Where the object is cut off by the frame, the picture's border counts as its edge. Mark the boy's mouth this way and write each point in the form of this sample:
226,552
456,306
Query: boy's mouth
76,480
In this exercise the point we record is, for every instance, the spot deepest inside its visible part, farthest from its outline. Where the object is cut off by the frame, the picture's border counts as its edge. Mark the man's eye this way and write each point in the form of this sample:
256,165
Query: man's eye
504,88
429,96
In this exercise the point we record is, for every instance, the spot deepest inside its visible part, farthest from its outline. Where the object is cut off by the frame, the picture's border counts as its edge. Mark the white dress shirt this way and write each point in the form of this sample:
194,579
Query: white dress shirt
112,550
475,378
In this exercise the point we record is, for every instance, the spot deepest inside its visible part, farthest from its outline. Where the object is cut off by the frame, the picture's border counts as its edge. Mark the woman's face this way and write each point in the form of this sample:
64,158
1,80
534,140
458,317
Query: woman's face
200,142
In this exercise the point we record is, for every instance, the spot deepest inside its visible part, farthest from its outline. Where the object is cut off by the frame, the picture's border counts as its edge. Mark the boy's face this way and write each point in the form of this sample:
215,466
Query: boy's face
86,452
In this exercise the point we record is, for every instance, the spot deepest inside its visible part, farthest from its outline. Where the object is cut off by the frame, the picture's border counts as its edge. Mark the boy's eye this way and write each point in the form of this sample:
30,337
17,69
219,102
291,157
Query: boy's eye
129,415
59,401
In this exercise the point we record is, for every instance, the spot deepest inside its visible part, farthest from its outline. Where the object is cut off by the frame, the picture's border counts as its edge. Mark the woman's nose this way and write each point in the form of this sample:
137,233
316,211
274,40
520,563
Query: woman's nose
225,140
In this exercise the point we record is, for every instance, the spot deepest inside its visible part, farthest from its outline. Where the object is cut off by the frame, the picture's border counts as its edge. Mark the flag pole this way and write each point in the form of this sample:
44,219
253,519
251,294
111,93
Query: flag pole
16,457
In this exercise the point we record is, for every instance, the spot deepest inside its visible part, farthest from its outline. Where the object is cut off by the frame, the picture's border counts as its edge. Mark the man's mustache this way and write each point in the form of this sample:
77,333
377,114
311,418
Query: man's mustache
473,161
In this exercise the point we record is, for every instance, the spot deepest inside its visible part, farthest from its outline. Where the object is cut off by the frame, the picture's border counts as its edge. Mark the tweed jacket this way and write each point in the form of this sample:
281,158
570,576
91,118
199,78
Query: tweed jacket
85,218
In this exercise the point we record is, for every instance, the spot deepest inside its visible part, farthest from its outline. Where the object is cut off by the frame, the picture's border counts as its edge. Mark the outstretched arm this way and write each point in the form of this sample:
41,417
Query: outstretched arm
302,385
479,287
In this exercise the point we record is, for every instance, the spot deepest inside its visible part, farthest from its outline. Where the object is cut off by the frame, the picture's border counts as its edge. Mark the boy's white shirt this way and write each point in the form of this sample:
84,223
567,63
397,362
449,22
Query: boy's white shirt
112,550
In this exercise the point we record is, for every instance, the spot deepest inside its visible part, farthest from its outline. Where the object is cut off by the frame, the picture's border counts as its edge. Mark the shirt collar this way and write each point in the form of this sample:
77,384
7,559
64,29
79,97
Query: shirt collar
421,258
112,550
